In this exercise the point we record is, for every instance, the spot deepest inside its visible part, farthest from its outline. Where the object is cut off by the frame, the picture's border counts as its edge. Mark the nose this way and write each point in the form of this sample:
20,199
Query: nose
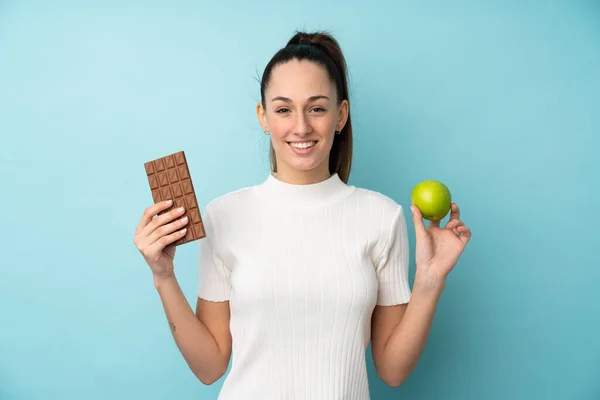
302,125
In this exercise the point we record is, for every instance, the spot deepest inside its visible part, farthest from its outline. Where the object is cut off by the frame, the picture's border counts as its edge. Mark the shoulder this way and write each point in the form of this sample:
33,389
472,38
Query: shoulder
389,208
387,223
220,213
384,217
227,210
230,201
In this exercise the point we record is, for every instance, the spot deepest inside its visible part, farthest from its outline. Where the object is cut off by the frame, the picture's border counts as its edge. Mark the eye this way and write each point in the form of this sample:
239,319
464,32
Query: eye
282,110
318,109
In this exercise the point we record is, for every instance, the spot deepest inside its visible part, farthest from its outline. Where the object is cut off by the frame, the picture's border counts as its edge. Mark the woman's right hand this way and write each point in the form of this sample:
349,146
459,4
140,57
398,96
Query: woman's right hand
153,236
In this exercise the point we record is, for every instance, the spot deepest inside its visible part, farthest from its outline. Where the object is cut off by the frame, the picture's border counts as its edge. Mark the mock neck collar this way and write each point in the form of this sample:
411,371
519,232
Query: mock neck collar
304,196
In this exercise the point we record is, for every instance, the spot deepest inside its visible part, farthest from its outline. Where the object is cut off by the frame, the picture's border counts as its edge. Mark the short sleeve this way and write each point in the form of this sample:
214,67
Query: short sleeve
214,278
392,267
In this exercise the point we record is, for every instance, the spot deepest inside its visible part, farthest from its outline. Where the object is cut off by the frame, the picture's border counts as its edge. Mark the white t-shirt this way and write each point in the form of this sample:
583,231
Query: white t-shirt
303,267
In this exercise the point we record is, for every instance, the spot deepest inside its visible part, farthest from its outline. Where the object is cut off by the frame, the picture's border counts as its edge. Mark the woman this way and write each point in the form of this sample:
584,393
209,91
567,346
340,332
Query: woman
300,272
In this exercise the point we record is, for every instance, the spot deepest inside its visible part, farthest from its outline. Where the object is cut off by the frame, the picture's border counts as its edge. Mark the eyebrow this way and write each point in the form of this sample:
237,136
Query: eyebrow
288,100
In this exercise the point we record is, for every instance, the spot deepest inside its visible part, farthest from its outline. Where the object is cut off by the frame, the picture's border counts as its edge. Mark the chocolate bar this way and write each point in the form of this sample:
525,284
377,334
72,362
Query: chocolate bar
169,178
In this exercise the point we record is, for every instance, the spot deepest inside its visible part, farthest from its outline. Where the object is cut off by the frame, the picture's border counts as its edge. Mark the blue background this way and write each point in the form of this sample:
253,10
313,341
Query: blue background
499,101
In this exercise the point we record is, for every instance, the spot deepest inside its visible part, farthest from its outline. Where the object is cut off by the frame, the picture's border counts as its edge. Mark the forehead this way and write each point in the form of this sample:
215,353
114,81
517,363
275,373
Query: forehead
299,79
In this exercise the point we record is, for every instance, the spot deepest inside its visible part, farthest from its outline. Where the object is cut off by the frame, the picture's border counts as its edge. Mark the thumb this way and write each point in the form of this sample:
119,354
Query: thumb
420,229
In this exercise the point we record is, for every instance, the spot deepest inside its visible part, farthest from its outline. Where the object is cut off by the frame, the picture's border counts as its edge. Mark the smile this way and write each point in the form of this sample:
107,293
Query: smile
302,145
303,148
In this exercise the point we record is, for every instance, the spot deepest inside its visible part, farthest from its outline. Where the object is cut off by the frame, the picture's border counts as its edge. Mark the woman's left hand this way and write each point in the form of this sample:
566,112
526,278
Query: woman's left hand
438,249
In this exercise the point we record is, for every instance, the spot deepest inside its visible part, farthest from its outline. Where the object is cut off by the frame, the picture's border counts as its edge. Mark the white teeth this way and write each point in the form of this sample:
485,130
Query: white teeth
304,145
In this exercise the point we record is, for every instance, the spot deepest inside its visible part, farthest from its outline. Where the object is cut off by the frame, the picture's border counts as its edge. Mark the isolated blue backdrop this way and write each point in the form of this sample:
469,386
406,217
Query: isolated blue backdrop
499,101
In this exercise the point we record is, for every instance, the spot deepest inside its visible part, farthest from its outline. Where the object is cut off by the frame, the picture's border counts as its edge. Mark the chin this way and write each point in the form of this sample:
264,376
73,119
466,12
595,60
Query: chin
305,165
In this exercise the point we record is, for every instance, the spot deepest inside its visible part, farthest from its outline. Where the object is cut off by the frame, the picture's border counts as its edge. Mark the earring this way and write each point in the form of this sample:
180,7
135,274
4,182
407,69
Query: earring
337,132
266,132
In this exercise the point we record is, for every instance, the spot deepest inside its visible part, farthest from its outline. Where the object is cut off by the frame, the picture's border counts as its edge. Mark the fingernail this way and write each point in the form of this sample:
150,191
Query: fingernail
169,201
180,209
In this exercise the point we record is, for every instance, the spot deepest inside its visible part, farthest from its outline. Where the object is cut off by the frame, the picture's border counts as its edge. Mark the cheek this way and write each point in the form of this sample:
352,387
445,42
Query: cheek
280,128
327,125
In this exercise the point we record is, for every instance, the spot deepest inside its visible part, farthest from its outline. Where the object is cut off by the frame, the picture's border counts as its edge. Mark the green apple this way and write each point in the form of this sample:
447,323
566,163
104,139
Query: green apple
432,198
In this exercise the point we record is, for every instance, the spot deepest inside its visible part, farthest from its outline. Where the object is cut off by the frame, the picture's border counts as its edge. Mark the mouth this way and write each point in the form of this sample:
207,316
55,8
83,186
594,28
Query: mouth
304,147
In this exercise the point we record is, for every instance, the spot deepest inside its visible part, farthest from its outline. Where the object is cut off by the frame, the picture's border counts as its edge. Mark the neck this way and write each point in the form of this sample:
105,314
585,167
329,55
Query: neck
283,194
298,177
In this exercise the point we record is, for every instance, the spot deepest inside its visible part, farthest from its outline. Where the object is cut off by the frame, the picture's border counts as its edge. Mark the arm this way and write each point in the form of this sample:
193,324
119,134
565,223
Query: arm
204,339
399,333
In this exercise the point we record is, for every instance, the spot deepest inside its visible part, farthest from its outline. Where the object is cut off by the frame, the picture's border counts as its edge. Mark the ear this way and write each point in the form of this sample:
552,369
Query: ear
262,117
343,115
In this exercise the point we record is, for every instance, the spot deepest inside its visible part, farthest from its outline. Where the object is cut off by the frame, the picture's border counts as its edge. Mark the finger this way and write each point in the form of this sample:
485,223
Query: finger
466,234
457,229
143,238
161,220
166,240
418,221
453,224
166,230
454,212
151,212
